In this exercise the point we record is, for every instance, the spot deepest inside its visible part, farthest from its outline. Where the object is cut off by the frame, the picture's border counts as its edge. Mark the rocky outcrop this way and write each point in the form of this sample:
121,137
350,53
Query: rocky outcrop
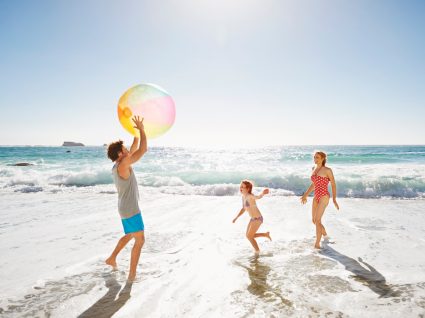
72,144
22,164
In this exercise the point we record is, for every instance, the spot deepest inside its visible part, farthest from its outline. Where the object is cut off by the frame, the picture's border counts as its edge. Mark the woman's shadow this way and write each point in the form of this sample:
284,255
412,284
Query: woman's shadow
368,276
107,306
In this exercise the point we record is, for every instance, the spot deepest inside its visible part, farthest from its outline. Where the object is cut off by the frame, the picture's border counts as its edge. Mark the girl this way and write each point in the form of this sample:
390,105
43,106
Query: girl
320,180
248,203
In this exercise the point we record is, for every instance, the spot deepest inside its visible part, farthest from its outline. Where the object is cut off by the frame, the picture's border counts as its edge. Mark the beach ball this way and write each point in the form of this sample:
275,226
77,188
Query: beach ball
152,103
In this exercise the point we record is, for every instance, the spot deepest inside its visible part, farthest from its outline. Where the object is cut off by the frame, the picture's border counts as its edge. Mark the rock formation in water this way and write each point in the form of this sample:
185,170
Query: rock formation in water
72,144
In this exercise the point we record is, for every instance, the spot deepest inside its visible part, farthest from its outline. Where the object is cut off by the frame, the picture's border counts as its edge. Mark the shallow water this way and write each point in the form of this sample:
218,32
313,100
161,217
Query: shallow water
197,263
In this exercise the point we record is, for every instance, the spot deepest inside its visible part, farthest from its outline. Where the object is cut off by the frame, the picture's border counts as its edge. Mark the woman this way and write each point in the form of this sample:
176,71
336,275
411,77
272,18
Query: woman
248,203
320,180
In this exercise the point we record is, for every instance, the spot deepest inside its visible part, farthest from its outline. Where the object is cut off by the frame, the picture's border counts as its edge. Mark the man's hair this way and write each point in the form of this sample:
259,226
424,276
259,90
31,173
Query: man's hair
114,149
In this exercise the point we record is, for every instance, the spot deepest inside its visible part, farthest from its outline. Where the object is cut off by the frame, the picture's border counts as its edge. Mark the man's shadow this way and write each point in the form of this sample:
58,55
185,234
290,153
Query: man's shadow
107,306
258,272
368,276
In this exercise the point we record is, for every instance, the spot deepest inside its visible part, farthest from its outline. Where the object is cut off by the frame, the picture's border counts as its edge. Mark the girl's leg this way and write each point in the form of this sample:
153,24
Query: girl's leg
323,203
250,234
267,235
112,260
247,229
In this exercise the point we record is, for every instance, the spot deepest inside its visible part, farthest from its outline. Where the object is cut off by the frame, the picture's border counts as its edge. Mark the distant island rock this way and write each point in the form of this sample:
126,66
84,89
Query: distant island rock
72,144
22,164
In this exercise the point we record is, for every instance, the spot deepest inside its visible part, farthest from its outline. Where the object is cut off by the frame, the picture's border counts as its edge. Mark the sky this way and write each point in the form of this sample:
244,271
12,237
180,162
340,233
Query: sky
241,72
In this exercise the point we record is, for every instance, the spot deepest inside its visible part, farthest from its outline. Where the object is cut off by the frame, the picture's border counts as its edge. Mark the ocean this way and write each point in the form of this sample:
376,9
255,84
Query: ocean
360,171
59,222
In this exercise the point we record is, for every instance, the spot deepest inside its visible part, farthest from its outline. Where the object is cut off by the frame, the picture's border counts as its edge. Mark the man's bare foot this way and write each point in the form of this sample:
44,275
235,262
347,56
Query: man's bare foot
317,246
268,236
131,277
112,262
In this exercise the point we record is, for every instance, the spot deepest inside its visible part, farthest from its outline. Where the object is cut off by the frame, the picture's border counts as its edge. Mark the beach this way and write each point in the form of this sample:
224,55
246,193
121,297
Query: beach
56,233
177,110
197,263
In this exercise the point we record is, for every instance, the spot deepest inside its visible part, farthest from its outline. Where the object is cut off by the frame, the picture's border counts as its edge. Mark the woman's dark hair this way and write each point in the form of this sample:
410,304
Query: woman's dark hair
114,150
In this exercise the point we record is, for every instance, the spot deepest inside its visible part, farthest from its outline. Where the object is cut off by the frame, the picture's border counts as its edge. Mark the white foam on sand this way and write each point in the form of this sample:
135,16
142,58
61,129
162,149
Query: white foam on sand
197,263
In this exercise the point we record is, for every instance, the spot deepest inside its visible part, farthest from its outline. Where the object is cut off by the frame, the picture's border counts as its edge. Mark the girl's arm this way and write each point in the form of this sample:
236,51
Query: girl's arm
307,193
239,214
333,186
265,191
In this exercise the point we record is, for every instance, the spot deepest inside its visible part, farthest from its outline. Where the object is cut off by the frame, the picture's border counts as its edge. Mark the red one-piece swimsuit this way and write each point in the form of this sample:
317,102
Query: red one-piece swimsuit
320,186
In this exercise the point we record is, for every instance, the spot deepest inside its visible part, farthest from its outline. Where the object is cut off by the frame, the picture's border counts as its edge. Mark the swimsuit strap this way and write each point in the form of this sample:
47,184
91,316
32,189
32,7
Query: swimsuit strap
317,172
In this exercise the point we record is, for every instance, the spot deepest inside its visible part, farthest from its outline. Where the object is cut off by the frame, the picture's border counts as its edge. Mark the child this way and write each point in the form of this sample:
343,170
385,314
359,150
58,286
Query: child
248,203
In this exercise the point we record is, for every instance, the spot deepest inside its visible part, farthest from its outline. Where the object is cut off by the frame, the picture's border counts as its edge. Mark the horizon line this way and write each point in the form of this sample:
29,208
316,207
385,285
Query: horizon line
256,146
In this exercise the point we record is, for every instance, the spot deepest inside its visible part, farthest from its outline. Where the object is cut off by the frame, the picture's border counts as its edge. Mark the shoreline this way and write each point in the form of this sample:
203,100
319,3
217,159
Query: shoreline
191,241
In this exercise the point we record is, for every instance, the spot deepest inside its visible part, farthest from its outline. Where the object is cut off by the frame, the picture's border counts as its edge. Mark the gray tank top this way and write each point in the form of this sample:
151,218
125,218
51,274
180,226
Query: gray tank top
128,194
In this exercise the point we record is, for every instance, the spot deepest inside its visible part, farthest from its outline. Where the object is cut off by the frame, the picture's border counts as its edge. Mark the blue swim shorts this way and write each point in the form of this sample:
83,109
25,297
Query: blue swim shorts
133,224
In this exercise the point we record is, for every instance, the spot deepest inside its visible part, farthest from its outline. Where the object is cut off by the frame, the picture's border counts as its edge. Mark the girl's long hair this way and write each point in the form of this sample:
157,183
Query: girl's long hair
249,185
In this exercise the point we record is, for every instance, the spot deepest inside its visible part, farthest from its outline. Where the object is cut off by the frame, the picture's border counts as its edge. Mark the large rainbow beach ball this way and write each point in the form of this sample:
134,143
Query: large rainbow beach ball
152,103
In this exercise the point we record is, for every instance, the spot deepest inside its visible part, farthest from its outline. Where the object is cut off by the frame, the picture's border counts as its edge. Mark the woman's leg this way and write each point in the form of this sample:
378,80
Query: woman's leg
323,203
313,215
250,234
313,211
324,233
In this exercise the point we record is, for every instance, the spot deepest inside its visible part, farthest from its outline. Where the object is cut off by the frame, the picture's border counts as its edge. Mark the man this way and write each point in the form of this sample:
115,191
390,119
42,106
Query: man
128,194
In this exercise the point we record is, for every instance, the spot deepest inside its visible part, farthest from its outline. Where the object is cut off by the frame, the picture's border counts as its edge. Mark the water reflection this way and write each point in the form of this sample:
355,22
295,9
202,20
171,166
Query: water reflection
258,272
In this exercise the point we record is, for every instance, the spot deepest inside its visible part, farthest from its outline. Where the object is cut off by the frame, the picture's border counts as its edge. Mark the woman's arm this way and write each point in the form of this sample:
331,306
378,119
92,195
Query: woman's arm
307,193
239,214
333,186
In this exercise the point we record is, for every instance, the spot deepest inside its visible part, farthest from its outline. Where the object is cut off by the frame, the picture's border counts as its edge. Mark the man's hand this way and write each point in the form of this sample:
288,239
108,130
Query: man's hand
138,123
135,155
234,220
